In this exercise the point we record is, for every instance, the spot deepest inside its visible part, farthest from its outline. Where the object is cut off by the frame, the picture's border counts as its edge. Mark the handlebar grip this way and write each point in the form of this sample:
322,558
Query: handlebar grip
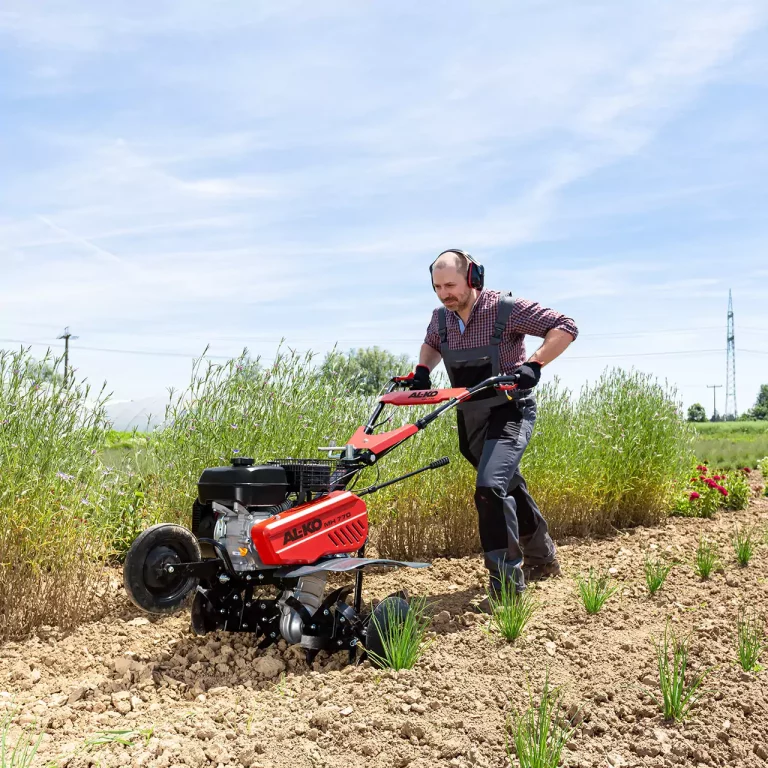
440,463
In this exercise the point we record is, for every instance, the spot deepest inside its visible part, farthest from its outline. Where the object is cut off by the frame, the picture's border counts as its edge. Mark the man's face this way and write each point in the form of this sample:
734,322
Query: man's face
451,288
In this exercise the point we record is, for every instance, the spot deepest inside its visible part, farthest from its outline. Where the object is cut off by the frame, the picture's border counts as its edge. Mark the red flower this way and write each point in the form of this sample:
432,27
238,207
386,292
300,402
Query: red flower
717,477
746,469
702,468
722,490
694,495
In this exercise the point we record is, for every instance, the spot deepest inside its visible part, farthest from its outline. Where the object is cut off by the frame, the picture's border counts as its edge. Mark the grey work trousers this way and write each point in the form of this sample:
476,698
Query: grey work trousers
512,529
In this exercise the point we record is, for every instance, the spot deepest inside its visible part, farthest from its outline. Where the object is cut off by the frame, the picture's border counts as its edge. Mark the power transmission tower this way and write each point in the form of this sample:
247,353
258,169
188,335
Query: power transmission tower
714,388
730,366
66,336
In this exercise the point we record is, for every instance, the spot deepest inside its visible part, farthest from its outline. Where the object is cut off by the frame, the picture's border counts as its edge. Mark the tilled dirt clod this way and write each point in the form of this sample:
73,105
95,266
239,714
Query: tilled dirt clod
133,690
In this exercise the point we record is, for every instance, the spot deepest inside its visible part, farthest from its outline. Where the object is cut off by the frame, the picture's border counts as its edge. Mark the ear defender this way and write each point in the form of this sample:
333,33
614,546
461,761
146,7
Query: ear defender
475,271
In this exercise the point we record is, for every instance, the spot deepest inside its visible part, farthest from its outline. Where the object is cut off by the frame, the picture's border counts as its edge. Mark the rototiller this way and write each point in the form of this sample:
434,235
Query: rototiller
286,524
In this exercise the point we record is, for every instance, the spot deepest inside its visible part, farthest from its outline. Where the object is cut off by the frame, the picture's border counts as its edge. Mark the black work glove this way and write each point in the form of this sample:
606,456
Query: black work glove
421,378
529,374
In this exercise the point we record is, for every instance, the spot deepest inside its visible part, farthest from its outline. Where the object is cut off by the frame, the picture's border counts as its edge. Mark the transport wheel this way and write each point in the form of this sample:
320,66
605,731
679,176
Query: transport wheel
392,609
146,580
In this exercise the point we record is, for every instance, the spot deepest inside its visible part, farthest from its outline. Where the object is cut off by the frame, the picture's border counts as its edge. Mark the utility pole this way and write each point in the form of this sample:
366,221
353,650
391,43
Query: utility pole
714,388
730,365
66,336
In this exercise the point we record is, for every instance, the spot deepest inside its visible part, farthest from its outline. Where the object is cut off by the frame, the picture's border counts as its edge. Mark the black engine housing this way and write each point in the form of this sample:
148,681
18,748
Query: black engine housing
253,486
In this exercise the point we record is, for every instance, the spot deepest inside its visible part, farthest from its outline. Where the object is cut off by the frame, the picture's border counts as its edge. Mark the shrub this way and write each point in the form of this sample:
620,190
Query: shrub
707,492
739,491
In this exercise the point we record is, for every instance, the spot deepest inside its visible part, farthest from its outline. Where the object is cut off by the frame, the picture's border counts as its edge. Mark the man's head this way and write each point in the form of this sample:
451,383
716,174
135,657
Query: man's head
449,279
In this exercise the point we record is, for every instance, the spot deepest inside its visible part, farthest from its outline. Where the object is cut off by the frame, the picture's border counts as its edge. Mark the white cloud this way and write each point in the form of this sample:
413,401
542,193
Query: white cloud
204,166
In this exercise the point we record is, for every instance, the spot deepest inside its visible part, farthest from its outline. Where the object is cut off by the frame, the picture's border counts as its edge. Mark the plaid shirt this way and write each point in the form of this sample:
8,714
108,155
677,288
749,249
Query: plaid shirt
527,317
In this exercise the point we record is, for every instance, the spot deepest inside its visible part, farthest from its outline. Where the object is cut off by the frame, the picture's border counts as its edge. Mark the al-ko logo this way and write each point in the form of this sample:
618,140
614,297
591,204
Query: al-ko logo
300,531
420,393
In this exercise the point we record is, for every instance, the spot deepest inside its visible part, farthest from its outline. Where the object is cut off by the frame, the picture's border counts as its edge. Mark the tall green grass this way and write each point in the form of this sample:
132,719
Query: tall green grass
52,496
613,456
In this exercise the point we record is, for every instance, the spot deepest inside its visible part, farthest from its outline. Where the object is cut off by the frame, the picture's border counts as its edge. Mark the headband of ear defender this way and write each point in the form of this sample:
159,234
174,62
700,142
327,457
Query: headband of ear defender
475,271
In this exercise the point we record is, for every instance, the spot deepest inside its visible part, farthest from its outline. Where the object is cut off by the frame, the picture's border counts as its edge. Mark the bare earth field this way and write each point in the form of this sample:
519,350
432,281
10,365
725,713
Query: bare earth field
217,701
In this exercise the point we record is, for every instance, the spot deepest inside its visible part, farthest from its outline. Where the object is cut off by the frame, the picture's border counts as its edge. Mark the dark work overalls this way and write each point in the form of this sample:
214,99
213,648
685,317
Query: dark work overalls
493,434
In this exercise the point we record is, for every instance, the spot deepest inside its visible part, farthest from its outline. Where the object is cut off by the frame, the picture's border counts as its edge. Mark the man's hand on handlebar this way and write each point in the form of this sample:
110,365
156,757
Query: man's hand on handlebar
421,378
529,374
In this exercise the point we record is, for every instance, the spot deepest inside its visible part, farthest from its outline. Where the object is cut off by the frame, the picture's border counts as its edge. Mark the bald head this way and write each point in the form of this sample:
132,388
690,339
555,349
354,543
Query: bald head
452,260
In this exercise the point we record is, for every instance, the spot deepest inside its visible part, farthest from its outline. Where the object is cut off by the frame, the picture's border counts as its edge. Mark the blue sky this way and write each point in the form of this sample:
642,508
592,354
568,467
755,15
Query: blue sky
176,174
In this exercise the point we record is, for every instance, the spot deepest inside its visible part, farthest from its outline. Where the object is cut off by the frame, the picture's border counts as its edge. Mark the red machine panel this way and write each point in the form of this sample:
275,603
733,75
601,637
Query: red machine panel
334,524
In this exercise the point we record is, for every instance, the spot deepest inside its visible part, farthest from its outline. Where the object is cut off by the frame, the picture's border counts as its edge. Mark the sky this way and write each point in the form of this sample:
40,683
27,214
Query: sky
189,174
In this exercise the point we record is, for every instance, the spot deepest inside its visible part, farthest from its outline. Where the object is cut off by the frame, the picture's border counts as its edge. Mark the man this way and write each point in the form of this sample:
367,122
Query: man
480,333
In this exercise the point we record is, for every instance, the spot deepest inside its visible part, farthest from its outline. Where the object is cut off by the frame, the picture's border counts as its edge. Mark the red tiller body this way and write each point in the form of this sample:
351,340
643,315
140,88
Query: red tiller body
335,524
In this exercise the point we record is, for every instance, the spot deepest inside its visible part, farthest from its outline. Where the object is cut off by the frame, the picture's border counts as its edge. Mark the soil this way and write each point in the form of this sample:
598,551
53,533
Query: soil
218,701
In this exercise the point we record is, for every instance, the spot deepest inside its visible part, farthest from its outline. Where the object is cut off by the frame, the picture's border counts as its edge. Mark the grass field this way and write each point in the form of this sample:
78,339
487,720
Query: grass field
731,444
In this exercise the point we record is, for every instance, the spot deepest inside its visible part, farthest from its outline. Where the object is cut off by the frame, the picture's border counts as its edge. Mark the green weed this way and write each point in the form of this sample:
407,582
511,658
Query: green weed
744,545
403,638
656,573
706,559
677,694
595,589
23,752
539,734
511,611
750,631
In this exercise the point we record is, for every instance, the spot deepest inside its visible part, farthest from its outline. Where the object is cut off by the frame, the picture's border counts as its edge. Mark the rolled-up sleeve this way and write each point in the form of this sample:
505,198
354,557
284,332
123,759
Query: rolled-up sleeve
531,319
432,339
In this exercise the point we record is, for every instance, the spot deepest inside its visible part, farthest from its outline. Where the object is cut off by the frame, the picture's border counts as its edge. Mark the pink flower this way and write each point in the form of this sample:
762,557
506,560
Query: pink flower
694,495
722,490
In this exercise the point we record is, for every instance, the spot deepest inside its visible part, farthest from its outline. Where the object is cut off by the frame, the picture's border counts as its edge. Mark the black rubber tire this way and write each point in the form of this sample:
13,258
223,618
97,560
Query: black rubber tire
392,607
148,587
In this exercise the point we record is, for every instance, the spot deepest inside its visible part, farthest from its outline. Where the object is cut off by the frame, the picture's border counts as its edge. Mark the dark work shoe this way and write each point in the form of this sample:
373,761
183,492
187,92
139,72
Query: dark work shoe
541,570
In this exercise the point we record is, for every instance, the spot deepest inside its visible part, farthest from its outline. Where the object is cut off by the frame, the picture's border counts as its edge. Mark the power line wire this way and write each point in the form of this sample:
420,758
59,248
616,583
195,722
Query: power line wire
416,339
165,353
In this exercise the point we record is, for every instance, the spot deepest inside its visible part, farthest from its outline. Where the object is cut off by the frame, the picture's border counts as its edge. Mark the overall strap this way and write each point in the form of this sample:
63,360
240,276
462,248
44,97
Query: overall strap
442,326
503,311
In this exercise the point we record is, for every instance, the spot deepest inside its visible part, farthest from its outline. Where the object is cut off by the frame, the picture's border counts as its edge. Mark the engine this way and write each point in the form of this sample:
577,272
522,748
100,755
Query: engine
231,500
